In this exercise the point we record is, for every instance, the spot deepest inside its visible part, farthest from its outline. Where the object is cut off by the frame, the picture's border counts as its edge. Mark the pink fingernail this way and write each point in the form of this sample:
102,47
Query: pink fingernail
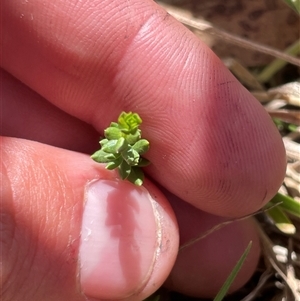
119,238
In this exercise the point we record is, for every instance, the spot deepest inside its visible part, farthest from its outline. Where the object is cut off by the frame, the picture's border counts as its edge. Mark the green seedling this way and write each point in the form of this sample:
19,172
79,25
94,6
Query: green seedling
122,148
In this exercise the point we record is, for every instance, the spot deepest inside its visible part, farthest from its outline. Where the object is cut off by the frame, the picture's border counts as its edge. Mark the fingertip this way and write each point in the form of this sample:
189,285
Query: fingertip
202,267
242,156
200,271
218,143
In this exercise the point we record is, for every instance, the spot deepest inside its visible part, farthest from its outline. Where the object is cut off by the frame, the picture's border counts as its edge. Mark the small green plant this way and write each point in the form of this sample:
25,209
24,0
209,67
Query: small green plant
122,148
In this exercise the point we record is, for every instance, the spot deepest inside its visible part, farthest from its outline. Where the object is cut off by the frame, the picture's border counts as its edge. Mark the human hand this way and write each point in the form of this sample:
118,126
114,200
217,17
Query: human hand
212,145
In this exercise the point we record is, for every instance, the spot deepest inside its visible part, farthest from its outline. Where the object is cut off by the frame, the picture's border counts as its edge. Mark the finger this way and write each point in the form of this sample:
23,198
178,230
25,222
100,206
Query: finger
202,267
218,144
25,114
70,228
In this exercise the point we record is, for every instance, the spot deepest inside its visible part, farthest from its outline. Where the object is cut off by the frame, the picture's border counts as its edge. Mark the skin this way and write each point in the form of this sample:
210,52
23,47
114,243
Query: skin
68,69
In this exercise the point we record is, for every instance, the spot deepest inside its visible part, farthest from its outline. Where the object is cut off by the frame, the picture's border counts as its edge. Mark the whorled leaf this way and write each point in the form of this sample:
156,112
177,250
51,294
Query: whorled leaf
129,121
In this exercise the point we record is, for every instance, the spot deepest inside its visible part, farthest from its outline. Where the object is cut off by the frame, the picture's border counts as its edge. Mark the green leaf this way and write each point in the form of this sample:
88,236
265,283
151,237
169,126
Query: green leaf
131,156
114,125
103,142
124,170
133,138
287,203
100,156
121,145
114,164
281,220
110,157
143,162
110,146
294,4
224,289
115,146
113,133
129,121
141,146
136,176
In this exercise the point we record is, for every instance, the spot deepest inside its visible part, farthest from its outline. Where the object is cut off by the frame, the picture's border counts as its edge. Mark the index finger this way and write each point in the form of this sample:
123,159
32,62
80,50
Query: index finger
212,144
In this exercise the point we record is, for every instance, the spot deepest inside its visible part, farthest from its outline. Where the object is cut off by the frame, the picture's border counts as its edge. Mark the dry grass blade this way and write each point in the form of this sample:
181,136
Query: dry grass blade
290,116
288,278
289,92
181,16
292,149
268,72
221,225
292,171
277,99
243,74
261,283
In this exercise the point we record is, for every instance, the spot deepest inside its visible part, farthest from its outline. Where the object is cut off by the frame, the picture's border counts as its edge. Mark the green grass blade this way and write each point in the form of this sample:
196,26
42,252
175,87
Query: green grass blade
294,4
224,289
287,203
281,220
268,72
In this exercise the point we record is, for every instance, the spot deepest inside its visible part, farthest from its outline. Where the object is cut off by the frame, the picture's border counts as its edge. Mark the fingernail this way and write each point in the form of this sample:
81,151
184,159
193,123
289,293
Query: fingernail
119,239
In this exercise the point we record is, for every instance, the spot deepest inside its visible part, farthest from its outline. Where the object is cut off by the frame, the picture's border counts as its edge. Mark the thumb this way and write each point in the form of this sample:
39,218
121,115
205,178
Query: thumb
71,229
